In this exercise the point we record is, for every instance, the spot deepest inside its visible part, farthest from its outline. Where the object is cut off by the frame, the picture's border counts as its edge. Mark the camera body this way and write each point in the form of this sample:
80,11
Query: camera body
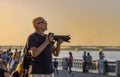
65,38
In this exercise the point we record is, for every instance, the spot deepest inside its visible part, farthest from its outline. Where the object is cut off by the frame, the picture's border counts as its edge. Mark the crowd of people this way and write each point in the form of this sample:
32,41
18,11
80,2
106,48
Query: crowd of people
9,63
87,62
101,63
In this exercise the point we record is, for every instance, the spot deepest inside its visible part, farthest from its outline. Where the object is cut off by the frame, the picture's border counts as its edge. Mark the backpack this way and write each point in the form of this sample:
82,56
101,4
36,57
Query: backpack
26,61
27,58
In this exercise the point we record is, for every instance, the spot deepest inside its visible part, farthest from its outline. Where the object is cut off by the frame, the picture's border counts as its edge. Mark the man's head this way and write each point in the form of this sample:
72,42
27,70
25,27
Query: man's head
39,24
84,52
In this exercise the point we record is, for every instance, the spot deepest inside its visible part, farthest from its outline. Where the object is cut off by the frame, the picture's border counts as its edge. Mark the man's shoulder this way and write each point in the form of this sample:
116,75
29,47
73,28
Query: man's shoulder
32,35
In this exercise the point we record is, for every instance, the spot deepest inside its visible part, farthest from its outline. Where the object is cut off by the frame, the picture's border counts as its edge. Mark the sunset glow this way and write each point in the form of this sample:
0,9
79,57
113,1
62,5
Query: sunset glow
89,22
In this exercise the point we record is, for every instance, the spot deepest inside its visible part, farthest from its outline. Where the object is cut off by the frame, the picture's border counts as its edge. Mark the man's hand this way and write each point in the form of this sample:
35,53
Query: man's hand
51,37
59,42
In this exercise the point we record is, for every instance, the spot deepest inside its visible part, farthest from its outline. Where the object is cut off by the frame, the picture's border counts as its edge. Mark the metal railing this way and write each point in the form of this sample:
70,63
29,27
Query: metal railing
113,67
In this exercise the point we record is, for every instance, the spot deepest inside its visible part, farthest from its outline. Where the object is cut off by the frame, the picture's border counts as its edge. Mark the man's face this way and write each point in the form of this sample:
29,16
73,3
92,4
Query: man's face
41,24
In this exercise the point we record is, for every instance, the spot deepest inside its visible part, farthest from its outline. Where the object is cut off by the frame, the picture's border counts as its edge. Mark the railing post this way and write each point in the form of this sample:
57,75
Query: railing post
118,68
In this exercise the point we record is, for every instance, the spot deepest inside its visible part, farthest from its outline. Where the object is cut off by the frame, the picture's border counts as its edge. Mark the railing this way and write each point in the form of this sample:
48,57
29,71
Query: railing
113,67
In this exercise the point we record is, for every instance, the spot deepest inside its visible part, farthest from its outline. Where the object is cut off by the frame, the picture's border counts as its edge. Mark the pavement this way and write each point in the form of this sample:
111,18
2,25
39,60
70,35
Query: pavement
64,73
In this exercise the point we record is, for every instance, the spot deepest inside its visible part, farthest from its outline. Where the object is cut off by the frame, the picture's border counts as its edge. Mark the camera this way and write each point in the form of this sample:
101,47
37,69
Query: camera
65,38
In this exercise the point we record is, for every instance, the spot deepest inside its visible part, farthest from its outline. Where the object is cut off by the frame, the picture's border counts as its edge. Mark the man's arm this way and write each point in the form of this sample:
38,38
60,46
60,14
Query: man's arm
56,50
36,51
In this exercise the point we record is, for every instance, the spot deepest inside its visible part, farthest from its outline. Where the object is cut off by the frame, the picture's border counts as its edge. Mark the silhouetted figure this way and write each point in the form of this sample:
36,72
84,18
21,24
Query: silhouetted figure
106,67
55,63
84,62
101,63
89,62
70,63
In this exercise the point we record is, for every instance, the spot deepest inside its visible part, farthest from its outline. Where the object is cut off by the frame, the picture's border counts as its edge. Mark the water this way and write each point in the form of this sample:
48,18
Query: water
109,55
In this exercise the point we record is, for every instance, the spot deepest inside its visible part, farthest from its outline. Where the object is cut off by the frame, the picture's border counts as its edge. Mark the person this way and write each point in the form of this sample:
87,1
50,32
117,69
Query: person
55,63
5,57
13,62
101,66
20,55
106,67
84,62
70,63
42,46
65,63
3,69
89,62
19,71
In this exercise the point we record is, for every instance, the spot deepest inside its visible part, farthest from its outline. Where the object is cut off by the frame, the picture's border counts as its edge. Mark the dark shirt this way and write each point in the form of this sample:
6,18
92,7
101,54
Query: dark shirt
15,74
2,72
42,64
55,64
70,61
84,57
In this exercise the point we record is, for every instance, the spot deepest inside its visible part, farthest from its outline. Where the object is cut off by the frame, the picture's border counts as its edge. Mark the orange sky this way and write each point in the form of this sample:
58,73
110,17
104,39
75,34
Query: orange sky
89,22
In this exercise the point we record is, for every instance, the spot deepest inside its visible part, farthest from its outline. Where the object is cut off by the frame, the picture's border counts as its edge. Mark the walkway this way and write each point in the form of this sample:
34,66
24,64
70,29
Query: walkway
79,74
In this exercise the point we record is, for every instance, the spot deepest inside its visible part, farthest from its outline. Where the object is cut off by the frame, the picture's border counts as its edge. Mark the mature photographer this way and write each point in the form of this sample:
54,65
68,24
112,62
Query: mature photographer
41,47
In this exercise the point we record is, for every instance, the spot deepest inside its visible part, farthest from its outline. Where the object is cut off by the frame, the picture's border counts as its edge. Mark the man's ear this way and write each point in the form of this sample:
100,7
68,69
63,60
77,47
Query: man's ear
35,26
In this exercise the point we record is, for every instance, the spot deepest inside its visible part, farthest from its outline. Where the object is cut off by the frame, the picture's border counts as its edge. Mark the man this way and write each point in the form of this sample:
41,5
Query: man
55,63
84,62
101,63
41,47
89,62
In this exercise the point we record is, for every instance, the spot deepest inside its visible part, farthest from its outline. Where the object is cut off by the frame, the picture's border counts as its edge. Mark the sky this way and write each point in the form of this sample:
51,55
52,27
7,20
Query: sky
88,22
